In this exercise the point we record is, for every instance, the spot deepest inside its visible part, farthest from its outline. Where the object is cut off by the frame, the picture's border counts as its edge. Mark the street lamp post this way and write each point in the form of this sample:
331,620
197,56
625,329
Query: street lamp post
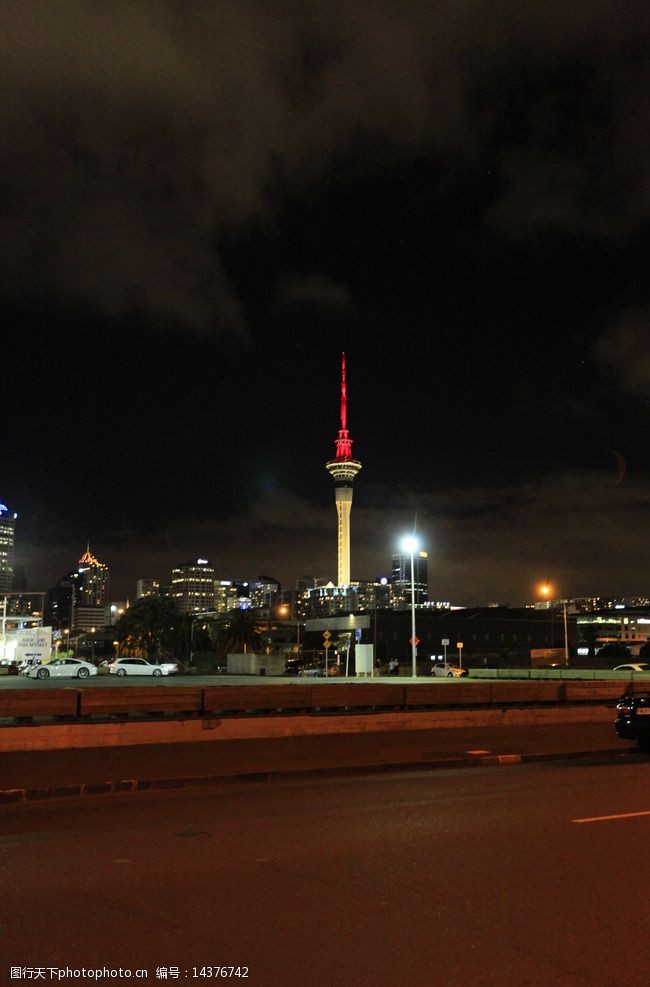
409,544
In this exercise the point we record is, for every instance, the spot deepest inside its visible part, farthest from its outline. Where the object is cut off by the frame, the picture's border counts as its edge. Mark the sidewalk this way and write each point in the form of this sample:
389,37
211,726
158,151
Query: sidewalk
32,775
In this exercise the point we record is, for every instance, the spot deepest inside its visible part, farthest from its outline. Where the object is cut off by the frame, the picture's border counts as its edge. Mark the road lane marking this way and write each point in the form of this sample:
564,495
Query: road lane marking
620,815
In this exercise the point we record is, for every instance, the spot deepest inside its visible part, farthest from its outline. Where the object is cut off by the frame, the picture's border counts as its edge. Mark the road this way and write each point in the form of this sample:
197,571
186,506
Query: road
524,875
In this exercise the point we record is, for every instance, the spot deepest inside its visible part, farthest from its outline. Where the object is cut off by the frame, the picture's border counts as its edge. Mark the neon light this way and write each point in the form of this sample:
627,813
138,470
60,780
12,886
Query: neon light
4,509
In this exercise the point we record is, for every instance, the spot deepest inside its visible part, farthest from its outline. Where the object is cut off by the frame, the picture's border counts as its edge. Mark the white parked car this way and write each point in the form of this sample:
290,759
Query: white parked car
634,666
62,668
136,666
448,671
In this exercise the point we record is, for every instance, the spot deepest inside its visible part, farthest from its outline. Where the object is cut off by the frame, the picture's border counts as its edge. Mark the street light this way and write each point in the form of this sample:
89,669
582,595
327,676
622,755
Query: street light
545,592
410,545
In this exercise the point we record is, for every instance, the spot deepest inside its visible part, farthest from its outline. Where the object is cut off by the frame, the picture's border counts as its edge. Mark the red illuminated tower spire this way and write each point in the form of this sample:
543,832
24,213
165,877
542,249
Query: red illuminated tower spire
343,468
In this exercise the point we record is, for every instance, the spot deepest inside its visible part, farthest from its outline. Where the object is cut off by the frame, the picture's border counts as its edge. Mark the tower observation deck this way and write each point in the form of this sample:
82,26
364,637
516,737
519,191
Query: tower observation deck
343,469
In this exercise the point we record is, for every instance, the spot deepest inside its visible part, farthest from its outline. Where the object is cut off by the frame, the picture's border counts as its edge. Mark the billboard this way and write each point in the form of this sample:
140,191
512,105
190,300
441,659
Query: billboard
30,644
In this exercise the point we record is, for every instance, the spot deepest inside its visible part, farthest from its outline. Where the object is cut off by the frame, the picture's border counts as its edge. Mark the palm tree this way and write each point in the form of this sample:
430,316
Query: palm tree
237,632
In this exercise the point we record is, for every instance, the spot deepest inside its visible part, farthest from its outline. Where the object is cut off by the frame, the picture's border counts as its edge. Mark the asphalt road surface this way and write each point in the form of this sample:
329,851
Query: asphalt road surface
524,875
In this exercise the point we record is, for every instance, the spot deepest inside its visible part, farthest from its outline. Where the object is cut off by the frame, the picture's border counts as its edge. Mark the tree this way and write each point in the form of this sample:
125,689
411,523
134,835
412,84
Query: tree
237,632
151,627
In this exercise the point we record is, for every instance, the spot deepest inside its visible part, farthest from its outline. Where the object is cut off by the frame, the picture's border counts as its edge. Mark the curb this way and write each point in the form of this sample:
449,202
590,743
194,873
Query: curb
13,796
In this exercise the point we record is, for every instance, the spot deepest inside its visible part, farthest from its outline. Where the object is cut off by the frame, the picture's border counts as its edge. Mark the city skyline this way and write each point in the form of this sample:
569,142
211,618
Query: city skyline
205,208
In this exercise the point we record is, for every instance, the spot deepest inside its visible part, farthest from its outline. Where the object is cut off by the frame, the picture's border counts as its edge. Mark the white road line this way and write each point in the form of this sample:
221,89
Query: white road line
622,815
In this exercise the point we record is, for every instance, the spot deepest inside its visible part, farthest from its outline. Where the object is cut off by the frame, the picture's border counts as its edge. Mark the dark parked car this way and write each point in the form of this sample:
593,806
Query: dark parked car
633,720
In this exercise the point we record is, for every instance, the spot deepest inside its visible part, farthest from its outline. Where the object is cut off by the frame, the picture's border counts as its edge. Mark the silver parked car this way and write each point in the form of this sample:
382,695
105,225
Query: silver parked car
136,666
62,668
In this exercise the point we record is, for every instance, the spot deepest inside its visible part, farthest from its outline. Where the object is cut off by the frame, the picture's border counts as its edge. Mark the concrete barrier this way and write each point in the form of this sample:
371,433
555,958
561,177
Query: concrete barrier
446,693
127,733
504,693
254,698
593,691
202,701
22,703
357,696
140,699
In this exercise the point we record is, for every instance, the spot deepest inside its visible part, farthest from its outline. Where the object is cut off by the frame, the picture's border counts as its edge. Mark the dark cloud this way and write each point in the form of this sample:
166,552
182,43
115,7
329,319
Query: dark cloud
624,350
137,133
456,193
314,289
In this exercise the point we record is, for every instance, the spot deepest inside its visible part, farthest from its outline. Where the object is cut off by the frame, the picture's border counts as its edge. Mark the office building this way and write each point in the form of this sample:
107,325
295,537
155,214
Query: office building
93,582
79,600
147,587
7,532
193,587
401,584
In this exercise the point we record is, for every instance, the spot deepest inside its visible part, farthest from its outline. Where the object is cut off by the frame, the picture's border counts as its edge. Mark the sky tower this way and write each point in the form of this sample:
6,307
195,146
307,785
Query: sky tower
343,468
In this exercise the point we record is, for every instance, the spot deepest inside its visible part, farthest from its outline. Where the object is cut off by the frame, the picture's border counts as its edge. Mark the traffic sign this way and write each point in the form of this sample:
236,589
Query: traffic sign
327,644
327,635
417,640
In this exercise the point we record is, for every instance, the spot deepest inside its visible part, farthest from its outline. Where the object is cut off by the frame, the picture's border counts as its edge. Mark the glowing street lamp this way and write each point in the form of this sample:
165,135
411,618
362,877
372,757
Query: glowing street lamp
410,545
545,592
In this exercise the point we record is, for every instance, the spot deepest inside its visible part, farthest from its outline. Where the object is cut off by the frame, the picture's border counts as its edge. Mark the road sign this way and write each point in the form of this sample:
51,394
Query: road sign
445,641
327,635
417,640
327,644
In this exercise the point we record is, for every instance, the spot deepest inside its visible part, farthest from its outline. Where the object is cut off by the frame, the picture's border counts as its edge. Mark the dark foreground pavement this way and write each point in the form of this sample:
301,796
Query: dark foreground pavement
32,775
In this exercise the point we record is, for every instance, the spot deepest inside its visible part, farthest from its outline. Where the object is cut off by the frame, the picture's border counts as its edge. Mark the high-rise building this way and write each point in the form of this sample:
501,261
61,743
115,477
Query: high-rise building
260,594
147,587
226,595
93,584
7,532
343,469
193,587
60,605
91,596
79,600
401,584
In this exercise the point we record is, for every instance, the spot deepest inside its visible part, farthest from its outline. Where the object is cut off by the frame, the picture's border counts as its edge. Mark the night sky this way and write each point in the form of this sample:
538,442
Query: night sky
205,203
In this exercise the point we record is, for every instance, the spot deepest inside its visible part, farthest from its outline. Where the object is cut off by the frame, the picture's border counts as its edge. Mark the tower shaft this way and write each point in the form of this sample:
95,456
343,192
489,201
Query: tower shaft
343,498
